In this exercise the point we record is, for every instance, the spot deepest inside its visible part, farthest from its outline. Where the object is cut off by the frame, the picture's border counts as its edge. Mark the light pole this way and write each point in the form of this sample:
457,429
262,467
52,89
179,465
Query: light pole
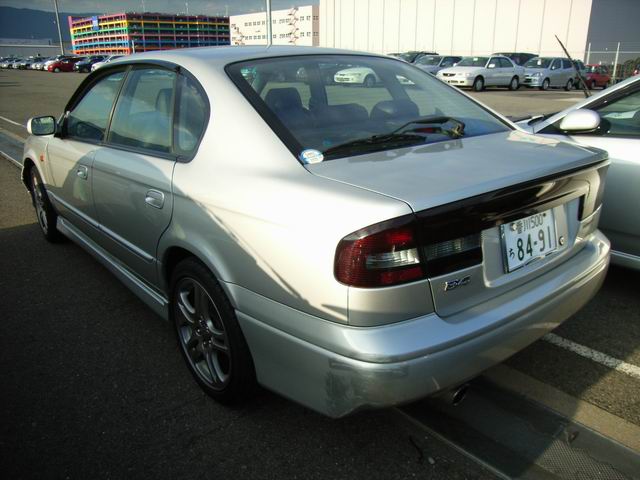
269,42
55,4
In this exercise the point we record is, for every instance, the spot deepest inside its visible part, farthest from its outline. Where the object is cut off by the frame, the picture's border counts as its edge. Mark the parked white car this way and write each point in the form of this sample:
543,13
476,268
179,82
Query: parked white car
357,75
106,61
611,121
481,72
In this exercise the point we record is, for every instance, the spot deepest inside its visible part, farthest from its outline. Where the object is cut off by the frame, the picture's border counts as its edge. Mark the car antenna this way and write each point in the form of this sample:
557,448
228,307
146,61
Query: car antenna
575,67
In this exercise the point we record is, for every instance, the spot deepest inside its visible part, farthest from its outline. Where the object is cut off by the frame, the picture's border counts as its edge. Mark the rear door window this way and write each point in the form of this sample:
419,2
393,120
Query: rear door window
143,117
191,117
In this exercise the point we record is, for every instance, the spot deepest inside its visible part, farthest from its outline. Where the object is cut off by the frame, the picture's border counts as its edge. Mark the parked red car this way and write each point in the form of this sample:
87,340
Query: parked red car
597,76
65,65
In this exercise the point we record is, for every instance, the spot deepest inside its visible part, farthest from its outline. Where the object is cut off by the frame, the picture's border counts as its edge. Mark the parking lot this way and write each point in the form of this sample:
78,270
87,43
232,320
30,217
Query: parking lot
94,384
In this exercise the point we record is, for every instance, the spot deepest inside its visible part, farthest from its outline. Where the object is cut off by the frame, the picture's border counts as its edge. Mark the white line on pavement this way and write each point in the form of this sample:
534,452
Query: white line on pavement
11,121
598,357
11,159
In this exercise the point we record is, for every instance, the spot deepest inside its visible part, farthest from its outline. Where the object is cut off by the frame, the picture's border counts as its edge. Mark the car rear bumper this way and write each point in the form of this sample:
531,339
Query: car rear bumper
337,369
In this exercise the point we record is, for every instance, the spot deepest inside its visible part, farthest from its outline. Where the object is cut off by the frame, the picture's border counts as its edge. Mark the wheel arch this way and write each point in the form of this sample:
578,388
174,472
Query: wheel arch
27,165
173,254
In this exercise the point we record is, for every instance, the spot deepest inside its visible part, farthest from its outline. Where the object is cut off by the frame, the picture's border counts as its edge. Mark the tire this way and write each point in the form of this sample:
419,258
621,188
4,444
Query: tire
208,334
45,213
514,84
478,84
569,85
56,70
369,81
545,84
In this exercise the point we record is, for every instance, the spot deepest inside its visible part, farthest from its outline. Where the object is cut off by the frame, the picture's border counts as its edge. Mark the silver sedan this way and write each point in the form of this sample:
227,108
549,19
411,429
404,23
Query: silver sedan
344,246
611,121
481,72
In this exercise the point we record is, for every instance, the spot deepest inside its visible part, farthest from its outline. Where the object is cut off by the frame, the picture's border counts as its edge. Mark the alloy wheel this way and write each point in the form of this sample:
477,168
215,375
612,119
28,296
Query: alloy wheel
38,200
202,334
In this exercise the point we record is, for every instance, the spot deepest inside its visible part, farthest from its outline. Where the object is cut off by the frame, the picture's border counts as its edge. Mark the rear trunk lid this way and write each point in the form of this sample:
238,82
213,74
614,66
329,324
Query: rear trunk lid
431,175
471,196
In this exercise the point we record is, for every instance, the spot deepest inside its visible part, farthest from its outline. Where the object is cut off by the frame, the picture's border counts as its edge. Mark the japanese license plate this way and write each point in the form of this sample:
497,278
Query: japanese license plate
528,239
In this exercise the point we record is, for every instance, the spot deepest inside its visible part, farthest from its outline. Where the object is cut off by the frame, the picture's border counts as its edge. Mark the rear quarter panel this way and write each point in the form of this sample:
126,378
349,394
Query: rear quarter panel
257,218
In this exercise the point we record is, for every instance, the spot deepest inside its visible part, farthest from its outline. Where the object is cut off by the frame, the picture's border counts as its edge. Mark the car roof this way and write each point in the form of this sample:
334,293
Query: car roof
222,56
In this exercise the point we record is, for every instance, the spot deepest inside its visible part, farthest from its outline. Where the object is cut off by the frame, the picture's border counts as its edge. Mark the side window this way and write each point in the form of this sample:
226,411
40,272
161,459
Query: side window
504,63
191,116
143,117
622,116
557,63
88,119
493,61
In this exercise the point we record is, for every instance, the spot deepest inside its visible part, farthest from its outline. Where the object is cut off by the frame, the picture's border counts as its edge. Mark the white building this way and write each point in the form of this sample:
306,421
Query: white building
474,27
295,26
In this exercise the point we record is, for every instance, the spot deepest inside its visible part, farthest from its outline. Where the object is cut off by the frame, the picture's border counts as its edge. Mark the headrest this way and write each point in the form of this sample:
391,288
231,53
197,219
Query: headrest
391,109
279,99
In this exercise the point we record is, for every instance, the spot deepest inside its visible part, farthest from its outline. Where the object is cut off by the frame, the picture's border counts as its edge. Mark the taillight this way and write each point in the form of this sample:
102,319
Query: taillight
380,255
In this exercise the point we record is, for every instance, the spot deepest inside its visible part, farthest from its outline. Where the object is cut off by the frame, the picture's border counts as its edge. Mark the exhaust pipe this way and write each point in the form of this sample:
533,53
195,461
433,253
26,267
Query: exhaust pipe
456,395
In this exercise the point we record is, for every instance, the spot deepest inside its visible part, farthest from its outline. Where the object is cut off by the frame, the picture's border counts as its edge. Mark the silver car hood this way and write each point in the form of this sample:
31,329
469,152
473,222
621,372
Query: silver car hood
440,173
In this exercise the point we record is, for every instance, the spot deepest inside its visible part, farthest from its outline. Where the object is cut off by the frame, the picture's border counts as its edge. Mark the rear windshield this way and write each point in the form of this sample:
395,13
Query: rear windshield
321,102
473,62
538,63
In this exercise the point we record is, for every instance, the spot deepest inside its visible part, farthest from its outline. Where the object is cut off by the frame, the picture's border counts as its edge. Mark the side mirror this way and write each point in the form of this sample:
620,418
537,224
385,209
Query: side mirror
580,121
492,65
41,125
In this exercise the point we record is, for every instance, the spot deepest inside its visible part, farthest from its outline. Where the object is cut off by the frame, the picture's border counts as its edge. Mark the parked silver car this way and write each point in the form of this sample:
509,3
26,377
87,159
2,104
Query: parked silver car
611,121
547,72
434,63
346,247
481,72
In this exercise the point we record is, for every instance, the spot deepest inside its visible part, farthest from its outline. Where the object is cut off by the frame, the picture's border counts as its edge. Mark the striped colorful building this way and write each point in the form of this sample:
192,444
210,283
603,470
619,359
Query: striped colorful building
125,33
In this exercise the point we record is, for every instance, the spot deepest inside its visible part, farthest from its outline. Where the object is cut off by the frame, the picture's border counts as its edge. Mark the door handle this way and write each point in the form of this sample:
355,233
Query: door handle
82,172
154,198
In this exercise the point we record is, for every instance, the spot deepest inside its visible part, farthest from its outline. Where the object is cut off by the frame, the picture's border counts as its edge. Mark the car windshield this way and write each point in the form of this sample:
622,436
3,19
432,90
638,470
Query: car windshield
473,62
538,63
313,104
593,69
408,56
429,60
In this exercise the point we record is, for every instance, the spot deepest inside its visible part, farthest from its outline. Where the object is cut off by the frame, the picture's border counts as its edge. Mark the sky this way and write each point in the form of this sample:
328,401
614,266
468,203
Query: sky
204,7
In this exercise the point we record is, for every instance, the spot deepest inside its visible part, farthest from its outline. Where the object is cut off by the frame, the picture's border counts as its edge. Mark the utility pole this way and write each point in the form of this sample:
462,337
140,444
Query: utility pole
269,42
55,4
